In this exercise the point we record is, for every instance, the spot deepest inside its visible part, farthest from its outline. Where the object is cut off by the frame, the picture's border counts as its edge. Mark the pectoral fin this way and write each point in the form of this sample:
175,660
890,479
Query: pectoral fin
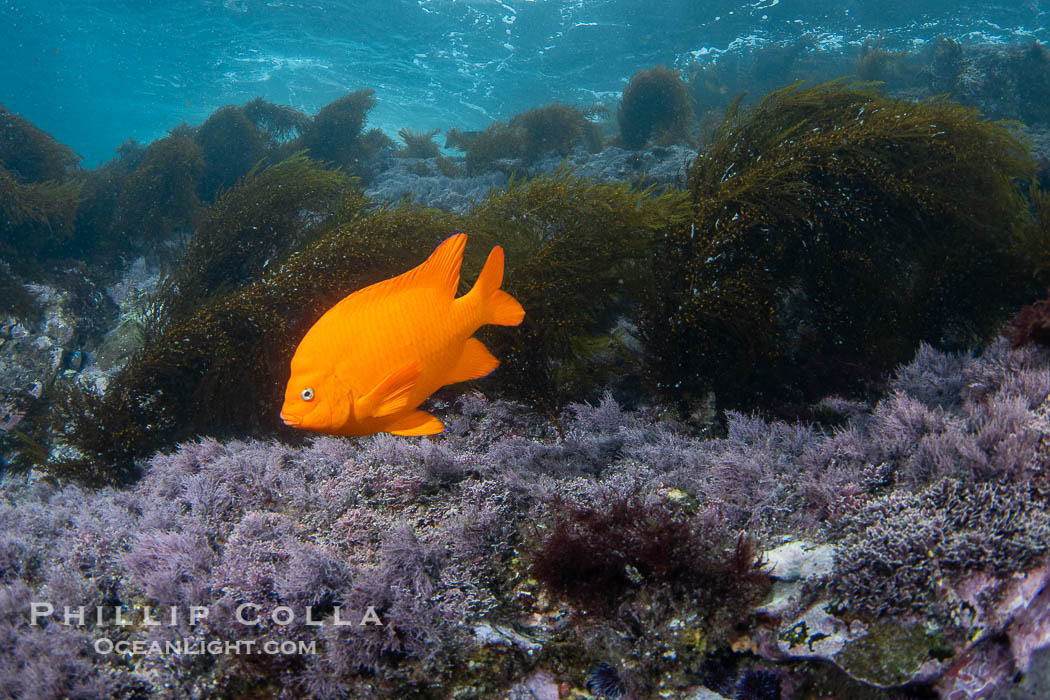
416,423
390,395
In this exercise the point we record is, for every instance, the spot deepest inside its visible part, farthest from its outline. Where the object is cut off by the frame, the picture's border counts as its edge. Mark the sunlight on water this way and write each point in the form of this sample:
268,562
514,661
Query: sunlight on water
95,76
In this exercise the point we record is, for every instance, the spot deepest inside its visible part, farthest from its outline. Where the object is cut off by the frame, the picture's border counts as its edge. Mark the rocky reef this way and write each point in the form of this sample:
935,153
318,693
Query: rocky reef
905,550
767,430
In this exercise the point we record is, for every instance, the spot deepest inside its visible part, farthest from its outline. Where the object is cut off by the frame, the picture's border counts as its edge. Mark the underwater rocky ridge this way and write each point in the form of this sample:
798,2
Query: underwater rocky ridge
777,422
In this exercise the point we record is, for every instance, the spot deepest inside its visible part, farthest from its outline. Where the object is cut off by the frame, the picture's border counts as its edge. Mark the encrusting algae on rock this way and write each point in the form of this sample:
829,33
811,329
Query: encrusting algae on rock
371,359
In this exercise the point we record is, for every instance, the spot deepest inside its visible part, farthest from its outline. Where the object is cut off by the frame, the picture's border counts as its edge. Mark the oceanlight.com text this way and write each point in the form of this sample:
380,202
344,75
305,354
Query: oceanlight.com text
192,647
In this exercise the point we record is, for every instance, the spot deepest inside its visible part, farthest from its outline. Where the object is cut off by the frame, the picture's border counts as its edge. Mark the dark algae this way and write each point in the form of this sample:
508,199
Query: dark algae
40,190
656,107
577,257
834,228
595,555
514,145
335,133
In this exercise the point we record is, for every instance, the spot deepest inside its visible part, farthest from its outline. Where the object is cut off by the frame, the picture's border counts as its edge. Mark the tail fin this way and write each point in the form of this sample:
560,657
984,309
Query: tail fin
500,308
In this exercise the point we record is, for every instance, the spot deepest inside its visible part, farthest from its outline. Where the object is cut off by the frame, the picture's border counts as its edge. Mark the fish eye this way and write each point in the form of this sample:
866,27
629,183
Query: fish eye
308,394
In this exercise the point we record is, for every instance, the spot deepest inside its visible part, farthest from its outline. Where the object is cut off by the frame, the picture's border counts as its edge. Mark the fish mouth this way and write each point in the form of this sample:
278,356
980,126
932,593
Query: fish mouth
293,421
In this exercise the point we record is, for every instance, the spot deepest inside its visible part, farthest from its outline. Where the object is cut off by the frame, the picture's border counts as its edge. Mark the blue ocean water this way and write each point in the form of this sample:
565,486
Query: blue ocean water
97,73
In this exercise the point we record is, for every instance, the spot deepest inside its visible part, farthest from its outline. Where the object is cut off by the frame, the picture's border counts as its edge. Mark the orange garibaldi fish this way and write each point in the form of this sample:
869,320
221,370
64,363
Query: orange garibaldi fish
371,359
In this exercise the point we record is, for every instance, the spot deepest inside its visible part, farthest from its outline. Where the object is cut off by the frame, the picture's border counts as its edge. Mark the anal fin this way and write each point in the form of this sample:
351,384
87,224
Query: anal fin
415,423
390,395
475,361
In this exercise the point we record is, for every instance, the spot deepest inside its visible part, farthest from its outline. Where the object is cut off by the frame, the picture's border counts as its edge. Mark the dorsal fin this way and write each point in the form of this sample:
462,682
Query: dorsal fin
440,271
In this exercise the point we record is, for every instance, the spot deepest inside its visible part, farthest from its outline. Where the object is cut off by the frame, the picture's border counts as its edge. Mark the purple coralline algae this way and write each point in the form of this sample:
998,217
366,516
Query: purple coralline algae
378,566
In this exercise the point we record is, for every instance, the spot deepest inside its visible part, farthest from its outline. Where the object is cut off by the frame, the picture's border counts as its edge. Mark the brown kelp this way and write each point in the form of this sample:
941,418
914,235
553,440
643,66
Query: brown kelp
656,107
36,218
834,228
826,232
32,153
270,212
513,145
418,144
335,133
40,190
160,195
150,194
578,257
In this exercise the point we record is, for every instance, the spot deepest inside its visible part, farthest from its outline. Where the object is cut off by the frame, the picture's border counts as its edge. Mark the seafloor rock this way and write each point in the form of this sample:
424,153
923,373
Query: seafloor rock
423,182
1001,625
118,345
1016,627
796,560
131,293
539,686
1039,141
659,165
1035,685
33,352
501,635
67,340
790,565
704,694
